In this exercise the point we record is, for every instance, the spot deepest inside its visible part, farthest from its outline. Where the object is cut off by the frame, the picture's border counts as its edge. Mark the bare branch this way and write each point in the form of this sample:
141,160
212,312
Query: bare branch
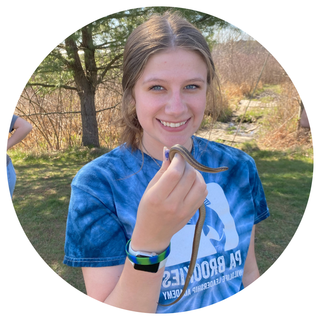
66,112
105,45
109,66
36,125
59,56
52,86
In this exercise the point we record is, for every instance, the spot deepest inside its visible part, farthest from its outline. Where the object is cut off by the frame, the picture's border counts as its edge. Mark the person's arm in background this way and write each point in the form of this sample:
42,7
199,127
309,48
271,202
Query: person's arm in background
22,128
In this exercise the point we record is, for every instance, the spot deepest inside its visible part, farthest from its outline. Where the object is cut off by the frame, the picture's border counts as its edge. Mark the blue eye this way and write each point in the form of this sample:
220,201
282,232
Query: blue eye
192,86
157,88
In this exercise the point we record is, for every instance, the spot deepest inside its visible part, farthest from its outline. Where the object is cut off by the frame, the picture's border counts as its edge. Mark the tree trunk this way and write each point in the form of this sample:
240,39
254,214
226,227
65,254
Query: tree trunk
90,135
86,86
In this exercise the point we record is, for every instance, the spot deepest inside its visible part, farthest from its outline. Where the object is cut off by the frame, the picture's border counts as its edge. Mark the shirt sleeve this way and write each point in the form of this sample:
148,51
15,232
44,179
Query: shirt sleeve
14,119
94,235
258,195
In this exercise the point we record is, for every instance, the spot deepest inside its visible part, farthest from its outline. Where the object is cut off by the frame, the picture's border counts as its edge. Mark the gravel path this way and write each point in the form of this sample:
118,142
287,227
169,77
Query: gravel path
230,131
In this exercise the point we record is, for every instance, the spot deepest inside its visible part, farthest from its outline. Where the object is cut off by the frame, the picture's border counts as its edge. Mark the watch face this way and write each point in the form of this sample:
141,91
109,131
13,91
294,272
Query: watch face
148,268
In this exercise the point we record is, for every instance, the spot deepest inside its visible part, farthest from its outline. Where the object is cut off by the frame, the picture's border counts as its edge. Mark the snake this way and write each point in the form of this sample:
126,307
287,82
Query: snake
202,213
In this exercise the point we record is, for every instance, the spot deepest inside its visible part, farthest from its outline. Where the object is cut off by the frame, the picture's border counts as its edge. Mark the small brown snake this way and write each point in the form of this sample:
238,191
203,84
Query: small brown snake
202,212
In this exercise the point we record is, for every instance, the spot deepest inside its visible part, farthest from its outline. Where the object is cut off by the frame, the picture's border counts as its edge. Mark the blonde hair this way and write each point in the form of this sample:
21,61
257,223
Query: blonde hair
158,33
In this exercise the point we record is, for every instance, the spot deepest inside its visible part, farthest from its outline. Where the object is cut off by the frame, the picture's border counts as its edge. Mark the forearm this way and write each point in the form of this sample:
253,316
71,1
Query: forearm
250,276
161,213
22,128
251,270
136,290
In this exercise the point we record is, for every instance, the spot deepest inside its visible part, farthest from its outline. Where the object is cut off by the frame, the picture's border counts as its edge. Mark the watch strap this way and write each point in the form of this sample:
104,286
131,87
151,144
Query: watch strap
146,258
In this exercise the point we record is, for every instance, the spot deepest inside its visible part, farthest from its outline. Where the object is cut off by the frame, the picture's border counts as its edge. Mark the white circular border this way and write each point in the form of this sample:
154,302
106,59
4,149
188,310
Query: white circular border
31,29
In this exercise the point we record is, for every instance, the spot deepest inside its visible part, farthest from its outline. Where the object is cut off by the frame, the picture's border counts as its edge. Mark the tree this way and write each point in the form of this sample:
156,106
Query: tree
93,54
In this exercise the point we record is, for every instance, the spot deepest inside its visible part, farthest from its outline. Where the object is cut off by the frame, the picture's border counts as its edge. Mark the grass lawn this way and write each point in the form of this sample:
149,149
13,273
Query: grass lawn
42,195
41,200
286,178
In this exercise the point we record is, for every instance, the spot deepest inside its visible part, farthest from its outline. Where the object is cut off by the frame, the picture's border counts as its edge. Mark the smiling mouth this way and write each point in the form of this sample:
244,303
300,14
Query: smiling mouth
173,124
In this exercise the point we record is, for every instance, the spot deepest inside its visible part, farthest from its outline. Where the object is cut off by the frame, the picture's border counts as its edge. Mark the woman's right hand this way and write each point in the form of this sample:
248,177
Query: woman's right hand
169,202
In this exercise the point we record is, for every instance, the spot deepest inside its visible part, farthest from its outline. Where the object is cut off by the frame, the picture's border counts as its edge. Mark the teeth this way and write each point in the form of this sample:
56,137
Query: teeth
172,125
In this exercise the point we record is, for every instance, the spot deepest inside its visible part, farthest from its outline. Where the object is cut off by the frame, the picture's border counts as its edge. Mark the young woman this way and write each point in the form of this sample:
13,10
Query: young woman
135,193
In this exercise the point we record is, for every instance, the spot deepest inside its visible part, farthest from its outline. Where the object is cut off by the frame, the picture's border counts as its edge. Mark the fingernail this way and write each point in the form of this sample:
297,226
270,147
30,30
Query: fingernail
166,153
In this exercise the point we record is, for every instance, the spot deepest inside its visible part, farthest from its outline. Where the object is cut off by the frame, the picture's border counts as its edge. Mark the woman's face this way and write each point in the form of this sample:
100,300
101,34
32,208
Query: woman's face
170,98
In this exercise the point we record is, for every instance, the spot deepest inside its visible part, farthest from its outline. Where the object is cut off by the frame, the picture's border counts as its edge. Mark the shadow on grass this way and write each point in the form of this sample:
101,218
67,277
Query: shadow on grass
41,200
42,195
286,180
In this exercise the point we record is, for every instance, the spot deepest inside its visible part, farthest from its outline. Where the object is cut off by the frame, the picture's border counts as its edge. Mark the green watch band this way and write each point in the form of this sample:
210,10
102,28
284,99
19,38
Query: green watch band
143,260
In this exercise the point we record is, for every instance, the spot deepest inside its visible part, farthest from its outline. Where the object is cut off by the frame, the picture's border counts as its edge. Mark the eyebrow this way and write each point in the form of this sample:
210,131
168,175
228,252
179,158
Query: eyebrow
152,80
161,80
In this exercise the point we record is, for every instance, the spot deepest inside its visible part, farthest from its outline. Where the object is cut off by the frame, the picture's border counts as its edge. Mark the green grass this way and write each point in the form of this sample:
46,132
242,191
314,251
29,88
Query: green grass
276,88
41,200
42,194
286,177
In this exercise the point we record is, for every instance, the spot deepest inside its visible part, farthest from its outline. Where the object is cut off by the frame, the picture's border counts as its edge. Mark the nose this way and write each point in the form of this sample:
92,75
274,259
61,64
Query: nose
176,104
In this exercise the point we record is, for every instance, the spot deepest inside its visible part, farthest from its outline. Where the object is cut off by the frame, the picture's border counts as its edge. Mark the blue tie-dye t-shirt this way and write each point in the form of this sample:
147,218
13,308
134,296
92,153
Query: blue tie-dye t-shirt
102,214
